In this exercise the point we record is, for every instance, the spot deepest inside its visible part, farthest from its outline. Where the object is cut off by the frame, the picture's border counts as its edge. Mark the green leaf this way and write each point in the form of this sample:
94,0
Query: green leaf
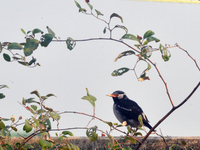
184,143
131,139
143,76
33,60
90,98
9,147
6,57
145,42
165,53
17,145
41,111
145,53
14,128
77,4
30,100
126,148
125,53
98,13
28,146
140,119
46,123
23,63
149,66
149,33
2,125
46,39
116,15
138,133
49,95
104,30
149,39
120,71
34,107
23,31
14,46
130,37
29,32
91,133
122,27
67,133
91,7
36,93
109,123
61,137
166,57
44,97
45,144
37,31
5,131
174,147
50,31
30,46
5,119
27,127
3,86
54,115
70,43
82,10
2,96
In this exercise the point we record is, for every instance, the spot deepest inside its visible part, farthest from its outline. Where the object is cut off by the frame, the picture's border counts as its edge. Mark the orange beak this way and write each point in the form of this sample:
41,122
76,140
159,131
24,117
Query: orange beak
111,95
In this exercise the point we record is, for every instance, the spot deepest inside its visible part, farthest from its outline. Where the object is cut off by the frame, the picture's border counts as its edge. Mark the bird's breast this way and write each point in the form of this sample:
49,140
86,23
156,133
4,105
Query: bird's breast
118,114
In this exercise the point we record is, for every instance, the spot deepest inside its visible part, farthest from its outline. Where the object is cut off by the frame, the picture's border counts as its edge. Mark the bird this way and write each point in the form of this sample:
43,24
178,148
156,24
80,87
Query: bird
127,111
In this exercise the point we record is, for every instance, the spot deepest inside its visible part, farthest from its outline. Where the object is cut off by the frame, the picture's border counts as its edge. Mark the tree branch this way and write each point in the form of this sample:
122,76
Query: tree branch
167,115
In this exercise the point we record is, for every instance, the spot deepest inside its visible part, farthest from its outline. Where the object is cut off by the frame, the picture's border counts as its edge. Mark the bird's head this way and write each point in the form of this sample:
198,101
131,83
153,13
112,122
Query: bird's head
117,95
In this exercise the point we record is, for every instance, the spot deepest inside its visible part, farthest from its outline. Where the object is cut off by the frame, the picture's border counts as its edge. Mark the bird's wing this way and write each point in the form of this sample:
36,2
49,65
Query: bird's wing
131,110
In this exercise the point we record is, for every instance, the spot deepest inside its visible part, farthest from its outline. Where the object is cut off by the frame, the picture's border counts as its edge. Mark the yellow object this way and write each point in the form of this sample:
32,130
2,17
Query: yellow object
175,1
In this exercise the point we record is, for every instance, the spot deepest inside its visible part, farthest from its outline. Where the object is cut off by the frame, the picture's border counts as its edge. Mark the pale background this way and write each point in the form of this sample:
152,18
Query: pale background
90,64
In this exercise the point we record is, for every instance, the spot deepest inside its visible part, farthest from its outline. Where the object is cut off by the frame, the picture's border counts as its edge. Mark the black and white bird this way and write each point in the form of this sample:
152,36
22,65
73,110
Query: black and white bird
127,110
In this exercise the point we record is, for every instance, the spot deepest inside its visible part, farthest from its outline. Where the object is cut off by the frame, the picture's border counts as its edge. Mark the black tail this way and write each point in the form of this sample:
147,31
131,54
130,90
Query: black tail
148,125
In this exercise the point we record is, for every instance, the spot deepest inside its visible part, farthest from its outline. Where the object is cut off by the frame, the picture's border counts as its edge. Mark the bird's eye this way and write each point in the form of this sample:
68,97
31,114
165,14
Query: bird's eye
117,95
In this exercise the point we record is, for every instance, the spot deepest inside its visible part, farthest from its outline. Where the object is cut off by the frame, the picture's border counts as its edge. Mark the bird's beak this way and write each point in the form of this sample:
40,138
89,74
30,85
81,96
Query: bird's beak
111,95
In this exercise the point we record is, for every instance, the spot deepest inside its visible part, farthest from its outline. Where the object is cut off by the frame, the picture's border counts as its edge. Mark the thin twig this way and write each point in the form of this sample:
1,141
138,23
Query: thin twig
189,56
161,135
96,118
92,117
166,87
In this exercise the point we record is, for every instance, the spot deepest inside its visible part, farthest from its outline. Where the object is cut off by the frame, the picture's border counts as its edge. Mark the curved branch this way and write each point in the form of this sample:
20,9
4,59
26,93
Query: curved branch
167,115
81,113
166,87
176,45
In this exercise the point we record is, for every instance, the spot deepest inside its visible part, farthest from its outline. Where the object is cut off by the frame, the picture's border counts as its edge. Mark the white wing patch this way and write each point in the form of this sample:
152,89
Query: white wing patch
145,118
124,108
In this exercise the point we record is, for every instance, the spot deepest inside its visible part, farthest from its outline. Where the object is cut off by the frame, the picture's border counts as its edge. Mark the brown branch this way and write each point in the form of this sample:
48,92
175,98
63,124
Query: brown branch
166,87
176,45
92,117
81,113
168,114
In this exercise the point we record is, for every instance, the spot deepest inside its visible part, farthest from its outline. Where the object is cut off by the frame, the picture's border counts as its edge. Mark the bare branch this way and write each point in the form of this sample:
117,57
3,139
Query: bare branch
168,114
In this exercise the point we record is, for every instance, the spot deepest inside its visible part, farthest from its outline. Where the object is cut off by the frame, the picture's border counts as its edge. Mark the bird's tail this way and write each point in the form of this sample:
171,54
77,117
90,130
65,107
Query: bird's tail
149,126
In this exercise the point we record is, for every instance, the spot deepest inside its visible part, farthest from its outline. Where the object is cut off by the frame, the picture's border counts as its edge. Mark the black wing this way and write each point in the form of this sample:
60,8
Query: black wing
131,110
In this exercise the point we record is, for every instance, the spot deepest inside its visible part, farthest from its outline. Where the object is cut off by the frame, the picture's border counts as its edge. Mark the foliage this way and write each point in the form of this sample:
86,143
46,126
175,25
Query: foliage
42,116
